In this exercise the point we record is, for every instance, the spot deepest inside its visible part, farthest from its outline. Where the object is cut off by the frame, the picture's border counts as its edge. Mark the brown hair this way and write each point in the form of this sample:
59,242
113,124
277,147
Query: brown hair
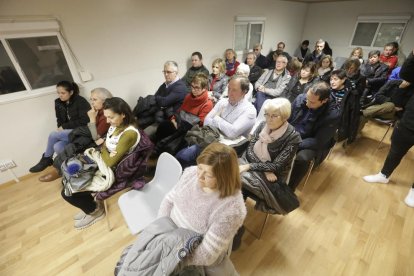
200,78
225,167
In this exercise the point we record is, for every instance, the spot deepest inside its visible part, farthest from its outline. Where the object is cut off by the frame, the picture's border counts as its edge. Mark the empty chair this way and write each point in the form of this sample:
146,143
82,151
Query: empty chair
140,208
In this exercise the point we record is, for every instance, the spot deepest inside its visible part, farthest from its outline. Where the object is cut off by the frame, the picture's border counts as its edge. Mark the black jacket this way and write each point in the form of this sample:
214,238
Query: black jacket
376,75
290,93
407,74
73,113
320,128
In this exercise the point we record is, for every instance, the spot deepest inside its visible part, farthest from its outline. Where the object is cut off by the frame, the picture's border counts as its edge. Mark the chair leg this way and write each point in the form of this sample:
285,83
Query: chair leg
383,137
312,163
107,216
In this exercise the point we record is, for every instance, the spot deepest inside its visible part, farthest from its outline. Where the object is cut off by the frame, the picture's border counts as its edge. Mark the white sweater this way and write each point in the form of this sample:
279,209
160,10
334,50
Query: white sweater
218,219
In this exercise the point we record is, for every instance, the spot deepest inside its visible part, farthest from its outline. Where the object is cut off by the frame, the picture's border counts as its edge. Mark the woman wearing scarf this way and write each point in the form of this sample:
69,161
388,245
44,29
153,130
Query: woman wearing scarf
267,161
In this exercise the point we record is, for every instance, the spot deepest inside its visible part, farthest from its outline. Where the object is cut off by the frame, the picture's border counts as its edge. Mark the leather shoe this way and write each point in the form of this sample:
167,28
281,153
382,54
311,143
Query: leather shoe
53,175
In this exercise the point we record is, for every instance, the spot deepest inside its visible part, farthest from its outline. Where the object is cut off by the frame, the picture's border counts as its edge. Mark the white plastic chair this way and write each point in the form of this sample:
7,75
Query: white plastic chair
140,208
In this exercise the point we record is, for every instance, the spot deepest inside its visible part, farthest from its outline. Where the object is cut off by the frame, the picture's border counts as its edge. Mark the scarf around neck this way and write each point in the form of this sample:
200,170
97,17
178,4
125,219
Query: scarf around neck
266,137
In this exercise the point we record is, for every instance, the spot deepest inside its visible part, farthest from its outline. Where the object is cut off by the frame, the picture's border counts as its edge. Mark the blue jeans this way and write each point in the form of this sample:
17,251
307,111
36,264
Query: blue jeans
57,141
260,99
188,156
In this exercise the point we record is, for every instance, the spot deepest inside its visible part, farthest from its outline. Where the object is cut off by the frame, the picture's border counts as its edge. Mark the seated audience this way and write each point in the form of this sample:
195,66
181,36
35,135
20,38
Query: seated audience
358,54
231,62
301,82
243,71
316,118
397,52
261,60
317,54
233,116
388,57
269,155
272,82
84,137
255,71
403,136
121,139
196,67
302,50
353,74
71,111
325,67
280,50
217,80
294,66
346,99
395,74
208,198
166,101
193,111
327,49
375,73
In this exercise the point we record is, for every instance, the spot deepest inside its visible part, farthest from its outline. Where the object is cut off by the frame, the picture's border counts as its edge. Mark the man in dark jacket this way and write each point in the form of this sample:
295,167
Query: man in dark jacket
317,54
168,98
403,136
316,118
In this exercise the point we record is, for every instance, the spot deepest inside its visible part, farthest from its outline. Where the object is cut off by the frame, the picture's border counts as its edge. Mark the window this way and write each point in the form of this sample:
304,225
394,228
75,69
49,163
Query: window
32,61
377,31
247,32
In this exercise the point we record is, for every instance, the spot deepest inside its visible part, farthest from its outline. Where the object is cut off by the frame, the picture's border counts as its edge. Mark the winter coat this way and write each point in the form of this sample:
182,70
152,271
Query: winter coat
291,94
320,127
219,85
72,113
130,171
376,75
202,136
255,73
277,87
191,72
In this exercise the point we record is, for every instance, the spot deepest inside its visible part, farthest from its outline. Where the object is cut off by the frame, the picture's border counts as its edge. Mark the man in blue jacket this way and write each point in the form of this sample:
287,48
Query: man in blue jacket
316,118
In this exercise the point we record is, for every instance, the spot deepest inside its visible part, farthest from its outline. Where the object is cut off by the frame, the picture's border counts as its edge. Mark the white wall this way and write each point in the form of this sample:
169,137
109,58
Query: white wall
335,22
124,44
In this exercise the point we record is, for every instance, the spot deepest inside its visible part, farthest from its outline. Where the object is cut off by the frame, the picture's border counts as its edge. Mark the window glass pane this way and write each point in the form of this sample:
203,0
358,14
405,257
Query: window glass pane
9,79
41,59
240,37
389,32
364,34
255,34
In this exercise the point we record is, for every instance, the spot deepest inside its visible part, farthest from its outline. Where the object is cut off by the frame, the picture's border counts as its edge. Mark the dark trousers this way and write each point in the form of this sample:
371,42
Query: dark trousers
83,201
301,166
402,140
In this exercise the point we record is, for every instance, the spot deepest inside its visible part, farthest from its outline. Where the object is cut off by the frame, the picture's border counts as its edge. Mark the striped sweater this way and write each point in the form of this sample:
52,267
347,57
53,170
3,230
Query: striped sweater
217,219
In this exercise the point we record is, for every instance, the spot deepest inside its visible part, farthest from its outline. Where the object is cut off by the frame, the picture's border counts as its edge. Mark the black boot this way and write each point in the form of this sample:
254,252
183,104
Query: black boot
43,164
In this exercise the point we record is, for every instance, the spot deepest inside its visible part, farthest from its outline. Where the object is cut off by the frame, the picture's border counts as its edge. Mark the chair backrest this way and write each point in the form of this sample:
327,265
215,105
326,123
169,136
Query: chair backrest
140,208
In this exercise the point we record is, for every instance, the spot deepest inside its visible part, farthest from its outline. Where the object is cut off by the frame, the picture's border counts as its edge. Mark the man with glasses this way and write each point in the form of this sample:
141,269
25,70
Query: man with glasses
316,118
272,83
168,98
261,60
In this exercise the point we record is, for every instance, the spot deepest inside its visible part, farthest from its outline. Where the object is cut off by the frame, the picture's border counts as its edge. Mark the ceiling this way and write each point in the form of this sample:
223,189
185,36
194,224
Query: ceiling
318,1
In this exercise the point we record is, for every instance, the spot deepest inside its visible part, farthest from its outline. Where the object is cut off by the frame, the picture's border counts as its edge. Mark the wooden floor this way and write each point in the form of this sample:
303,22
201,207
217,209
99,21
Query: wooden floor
343,227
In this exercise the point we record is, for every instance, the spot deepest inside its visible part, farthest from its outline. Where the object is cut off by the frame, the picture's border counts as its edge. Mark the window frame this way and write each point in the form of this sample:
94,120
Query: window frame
27,30
386,19
249,20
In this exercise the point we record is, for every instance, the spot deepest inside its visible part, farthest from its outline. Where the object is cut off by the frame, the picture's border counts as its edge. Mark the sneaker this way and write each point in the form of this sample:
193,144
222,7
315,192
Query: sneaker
79,215
376,178
90,219
409,199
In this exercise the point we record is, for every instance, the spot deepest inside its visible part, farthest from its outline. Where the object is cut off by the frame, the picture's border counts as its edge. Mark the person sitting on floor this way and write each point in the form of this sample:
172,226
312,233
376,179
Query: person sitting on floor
84,137
316,117
121,139
71,111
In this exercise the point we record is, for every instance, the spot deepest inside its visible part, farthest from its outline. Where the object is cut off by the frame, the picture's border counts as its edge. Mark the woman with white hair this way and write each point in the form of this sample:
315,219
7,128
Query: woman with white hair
267,161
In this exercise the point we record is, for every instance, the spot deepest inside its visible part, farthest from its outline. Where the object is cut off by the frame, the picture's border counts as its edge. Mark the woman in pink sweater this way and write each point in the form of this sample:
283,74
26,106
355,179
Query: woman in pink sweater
208,200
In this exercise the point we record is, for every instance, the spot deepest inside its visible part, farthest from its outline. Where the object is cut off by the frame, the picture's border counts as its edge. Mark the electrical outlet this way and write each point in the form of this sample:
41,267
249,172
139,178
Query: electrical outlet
6,164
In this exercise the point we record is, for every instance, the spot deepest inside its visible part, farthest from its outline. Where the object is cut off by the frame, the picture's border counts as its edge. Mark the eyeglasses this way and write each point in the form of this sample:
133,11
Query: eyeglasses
271,116
196,88
168,72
